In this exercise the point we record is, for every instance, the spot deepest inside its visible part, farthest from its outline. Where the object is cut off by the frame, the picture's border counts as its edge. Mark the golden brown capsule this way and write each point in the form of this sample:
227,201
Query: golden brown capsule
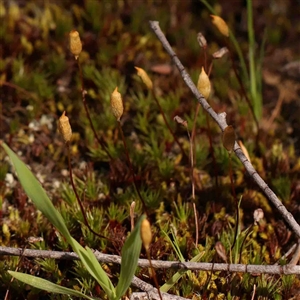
220,24
75,43
146,234
145,78
229,138
65,127
116,104
203,84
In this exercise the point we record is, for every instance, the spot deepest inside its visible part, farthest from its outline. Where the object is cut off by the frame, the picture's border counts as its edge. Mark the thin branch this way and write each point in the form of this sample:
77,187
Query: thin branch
157,264
150,292
287,254
296,255
254,291
222,124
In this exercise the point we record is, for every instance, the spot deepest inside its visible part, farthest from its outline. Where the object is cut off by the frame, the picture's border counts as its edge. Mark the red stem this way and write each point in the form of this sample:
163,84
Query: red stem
78,199
235,199
83,92
131,168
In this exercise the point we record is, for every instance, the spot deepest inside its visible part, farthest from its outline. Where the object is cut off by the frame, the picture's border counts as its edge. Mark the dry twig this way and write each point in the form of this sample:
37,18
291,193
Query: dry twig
158,264
220,119
150,292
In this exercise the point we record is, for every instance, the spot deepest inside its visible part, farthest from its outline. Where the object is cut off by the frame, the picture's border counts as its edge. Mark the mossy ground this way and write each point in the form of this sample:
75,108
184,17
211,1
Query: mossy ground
40,79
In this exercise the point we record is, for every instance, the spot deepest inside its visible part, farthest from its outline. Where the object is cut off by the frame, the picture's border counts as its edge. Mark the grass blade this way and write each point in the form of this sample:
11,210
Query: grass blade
39,197
130,255
46,285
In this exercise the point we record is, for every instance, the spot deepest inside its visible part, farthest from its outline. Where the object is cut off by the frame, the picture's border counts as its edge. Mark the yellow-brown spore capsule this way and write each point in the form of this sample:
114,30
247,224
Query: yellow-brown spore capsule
203,84
145,78
220,24
65,127
116,104
75,43
146,234
229,138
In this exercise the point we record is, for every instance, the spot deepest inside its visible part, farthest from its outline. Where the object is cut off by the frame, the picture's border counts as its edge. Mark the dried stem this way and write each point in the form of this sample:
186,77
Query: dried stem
158,264
150,292
254,291
221,121
287,254
296,256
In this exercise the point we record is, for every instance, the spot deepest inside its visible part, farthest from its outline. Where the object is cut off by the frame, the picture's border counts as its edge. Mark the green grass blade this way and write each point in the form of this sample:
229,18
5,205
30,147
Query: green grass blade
174,244
46,285
260,62
102,277
255,96
130,255
39,197
91,263
37,194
